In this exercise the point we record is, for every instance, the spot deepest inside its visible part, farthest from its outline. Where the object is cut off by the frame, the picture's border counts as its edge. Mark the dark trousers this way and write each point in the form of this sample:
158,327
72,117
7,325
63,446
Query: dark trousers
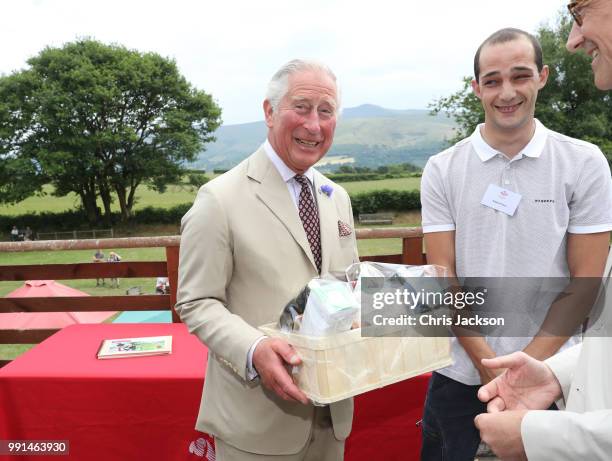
448,431
448,427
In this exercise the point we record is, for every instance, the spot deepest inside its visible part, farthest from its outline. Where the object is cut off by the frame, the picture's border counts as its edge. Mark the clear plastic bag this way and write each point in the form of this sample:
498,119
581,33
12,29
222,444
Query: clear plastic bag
387,274
373,269
331,308
327,305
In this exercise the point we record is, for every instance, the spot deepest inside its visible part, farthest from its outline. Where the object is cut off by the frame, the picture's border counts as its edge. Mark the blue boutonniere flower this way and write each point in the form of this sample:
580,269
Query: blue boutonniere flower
327,189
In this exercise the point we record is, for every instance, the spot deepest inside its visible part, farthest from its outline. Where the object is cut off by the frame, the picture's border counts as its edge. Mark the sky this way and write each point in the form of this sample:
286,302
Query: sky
399,54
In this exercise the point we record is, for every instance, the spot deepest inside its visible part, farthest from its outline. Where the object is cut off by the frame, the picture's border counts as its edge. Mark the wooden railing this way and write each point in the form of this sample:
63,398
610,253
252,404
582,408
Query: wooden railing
412,253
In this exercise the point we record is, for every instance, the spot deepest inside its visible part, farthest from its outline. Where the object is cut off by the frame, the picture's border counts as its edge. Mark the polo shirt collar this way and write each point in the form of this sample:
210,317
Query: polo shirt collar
533,148
285,172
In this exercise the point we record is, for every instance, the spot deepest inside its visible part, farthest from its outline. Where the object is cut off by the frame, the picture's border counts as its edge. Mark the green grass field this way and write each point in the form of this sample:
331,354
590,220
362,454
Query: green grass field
12,351
147,285
175,195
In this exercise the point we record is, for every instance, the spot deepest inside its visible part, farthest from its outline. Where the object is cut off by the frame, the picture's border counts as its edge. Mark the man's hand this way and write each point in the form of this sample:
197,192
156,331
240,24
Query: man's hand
502,432
527,384
488,374
269,359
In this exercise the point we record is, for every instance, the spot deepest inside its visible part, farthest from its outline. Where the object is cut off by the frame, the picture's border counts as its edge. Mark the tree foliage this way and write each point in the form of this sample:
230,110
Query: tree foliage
464,107
100,120
569,103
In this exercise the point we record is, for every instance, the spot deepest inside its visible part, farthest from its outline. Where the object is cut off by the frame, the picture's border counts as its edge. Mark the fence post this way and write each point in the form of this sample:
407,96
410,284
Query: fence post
412,250
172,260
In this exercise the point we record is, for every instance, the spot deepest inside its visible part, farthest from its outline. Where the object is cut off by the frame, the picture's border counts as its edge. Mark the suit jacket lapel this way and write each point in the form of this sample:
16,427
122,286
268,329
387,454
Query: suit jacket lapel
328,217
272,191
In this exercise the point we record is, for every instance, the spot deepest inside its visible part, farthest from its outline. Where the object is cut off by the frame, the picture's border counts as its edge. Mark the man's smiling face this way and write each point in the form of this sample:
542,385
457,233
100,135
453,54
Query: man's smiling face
301,129
594,37
508,84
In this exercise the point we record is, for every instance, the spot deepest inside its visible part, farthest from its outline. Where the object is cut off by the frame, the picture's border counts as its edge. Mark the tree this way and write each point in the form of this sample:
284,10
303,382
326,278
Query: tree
464,107
20,176
100,120
569,103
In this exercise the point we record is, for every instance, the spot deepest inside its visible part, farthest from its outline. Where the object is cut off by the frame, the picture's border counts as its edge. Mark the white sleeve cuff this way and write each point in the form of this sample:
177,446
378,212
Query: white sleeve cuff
251,372
589,229
438,228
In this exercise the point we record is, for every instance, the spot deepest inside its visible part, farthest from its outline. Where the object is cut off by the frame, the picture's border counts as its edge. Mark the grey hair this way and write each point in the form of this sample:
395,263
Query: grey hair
279,84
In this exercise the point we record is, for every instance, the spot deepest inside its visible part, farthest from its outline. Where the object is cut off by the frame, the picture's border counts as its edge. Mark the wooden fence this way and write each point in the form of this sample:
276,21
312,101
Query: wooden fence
412,253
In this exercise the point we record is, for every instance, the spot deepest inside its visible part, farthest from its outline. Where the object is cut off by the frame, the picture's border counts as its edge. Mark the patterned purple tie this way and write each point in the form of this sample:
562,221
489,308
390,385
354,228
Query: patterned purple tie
310,218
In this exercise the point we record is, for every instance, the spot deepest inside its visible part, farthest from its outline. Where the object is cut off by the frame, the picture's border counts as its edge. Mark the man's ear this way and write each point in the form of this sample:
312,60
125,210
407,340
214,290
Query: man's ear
268,112
476,88
543,77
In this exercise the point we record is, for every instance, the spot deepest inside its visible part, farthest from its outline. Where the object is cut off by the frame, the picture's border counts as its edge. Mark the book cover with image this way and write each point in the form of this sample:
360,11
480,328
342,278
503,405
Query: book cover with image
135,347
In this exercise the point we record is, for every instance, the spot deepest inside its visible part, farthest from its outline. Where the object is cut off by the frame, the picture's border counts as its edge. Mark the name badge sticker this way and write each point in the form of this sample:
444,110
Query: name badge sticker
501,199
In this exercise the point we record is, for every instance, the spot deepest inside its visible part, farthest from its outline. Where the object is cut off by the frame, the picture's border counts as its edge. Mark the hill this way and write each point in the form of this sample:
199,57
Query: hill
366,135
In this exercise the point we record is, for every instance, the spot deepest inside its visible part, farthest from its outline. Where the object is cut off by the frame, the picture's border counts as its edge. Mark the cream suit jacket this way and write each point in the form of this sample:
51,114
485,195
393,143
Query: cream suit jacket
584,430
244,254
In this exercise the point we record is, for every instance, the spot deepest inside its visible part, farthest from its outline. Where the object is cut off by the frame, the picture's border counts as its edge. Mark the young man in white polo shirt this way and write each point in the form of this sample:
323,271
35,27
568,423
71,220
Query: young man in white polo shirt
554,222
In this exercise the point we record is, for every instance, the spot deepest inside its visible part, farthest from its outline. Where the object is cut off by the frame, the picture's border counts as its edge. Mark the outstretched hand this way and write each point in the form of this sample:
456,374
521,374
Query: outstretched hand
527,384
270,359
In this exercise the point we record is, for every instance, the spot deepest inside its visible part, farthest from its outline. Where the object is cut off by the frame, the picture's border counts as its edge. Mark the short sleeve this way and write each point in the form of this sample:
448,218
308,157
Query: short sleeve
435,209
591,203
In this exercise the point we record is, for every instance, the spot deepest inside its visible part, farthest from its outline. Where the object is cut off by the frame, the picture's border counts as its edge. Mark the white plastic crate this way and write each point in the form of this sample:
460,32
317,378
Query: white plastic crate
346,364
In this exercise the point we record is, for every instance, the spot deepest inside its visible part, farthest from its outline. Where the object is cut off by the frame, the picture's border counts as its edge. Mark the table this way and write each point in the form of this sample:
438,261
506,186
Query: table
146,407
121,409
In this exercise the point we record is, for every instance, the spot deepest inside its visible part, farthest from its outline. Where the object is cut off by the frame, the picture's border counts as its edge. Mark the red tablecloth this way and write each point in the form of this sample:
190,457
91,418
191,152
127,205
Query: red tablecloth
145,408
385,422
123,409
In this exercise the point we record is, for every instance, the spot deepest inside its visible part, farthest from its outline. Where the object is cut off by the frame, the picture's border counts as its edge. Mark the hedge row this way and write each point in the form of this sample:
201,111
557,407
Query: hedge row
385,199
77,219
346,177
366,202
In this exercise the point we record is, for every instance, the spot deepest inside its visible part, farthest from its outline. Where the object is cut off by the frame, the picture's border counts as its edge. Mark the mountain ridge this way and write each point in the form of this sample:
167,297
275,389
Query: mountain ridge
366,135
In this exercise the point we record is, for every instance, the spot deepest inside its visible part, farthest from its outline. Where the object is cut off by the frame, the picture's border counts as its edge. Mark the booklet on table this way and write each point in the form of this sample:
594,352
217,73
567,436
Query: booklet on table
135,347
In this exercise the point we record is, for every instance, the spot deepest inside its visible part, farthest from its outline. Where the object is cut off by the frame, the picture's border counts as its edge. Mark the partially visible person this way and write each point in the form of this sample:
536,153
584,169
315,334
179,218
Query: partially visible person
162,286
509,201
98,257
517,426
114,258
28,234
592,34
14,234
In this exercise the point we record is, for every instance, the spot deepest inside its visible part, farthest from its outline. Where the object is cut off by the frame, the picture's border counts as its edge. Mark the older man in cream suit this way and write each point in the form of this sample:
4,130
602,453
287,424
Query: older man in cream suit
516,425
253,239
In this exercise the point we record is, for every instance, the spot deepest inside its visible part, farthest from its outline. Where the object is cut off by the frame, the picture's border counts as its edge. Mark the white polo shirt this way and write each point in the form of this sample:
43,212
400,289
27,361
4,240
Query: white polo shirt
565,186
